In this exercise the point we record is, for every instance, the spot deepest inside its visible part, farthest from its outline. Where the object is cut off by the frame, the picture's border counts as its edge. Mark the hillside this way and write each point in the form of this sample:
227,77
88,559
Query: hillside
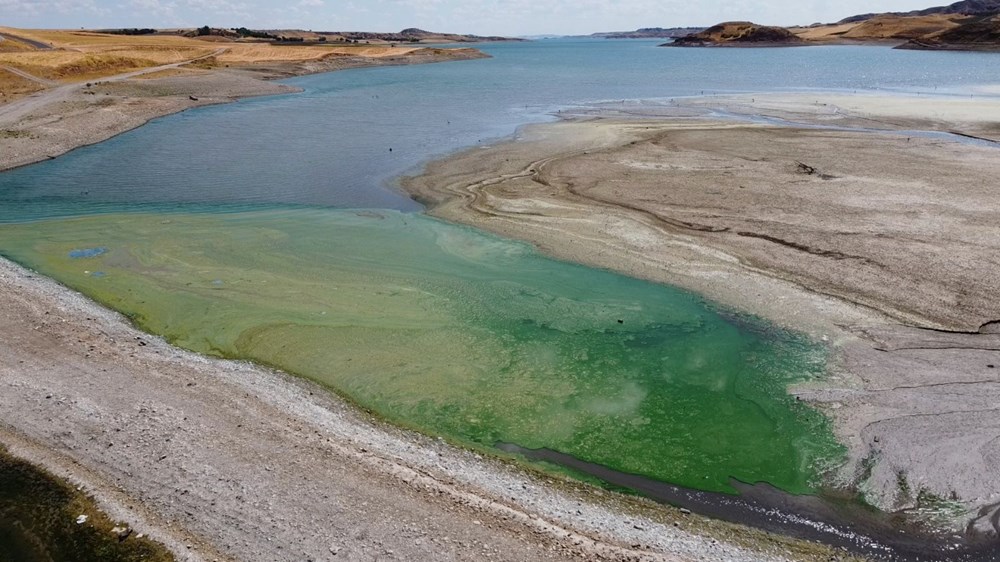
966,7
979,34
737,33
966,25
881,27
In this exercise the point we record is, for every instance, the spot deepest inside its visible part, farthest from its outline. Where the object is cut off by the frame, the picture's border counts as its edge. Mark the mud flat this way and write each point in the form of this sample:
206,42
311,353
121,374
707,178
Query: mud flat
860,220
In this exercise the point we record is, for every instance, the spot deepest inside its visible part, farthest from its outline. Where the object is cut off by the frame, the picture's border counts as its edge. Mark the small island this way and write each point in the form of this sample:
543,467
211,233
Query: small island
739,33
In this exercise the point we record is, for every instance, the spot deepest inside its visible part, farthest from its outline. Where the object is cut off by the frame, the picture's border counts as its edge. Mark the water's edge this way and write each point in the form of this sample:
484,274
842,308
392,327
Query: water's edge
841,523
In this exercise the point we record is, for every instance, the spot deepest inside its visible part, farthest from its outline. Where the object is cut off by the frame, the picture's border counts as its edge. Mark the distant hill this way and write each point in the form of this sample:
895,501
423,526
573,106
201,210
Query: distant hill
414,35
650,33
965,25
409,35
736,33
979,34
881,27
966,7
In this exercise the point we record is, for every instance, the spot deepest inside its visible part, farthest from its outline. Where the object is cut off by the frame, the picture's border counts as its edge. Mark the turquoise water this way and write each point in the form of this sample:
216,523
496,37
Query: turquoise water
226,230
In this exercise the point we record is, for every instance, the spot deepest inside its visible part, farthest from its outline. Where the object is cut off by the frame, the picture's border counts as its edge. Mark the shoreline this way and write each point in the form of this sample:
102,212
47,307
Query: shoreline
594,190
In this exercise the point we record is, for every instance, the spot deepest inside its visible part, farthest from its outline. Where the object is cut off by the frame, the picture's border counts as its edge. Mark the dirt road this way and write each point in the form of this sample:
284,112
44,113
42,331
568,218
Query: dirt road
36,44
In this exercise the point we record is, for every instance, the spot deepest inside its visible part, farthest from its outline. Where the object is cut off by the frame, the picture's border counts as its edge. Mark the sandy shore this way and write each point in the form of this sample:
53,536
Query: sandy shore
882,244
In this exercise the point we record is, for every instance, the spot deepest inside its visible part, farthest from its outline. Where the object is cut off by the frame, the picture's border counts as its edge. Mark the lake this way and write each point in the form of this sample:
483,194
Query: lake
270,230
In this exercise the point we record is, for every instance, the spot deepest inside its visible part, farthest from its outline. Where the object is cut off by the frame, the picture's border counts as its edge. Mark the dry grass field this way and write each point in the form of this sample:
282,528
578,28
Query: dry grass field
13,86
83,55
823,32
76,56
237,53
72,66
900,27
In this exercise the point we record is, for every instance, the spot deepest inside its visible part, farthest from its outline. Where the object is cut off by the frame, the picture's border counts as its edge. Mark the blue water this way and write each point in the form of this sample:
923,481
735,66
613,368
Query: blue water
330,145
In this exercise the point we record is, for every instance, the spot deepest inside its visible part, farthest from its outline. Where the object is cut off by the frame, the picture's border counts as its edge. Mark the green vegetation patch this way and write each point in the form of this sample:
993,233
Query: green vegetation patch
43,519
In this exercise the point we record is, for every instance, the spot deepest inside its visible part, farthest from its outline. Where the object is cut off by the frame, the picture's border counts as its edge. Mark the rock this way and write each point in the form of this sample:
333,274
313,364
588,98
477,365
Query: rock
121,532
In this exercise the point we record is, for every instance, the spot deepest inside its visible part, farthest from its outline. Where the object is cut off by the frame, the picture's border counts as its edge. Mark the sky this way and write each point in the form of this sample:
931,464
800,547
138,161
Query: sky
483,17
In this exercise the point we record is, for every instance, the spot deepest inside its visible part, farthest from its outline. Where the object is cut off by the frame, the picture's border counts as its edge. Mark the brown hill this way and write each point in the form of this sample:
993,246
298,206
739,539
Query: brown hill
738,33
979,34
965,7
966,25
888,26
882,27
